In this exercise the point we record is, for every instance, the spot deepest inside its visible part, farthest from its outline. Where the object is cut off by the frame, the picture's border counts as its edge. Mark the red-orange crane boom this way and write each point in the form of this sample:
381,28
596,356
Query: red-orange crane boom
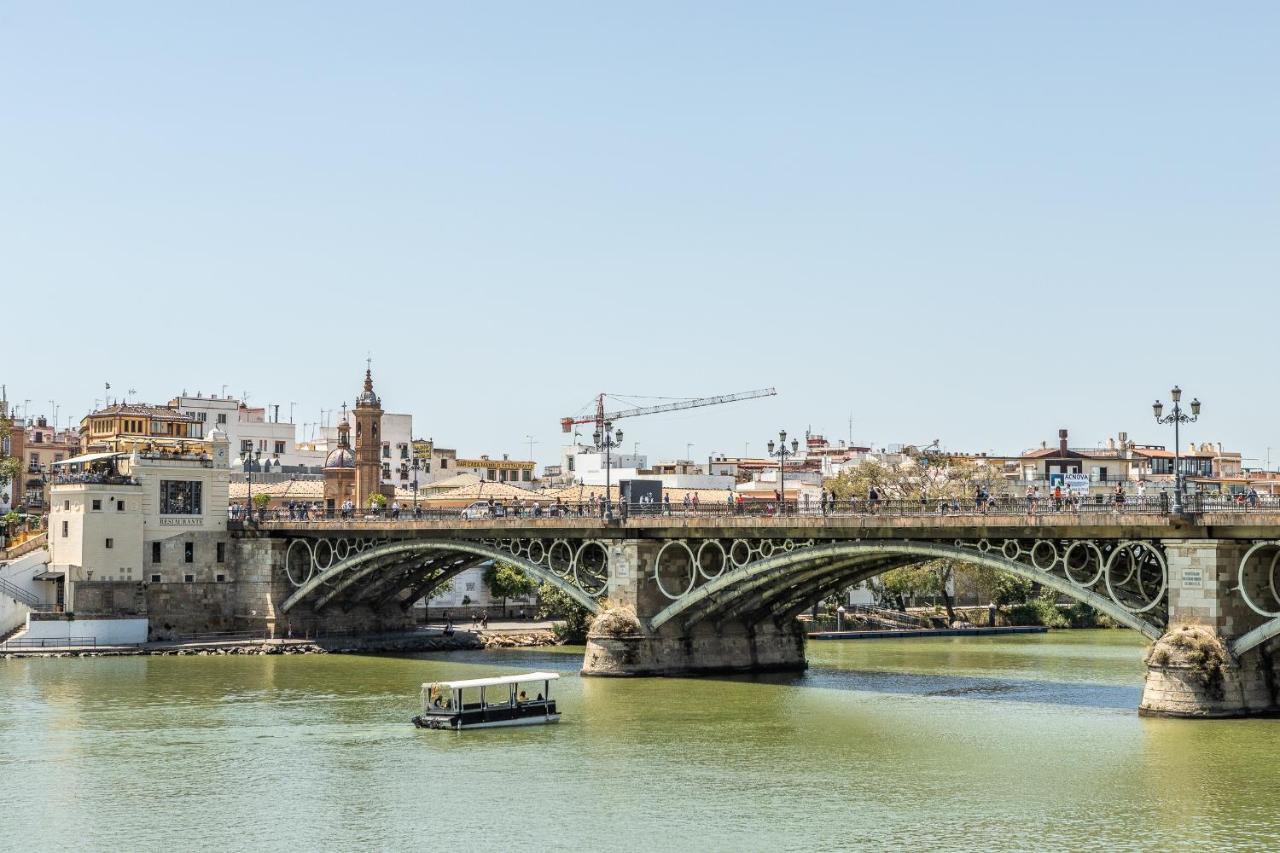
601,416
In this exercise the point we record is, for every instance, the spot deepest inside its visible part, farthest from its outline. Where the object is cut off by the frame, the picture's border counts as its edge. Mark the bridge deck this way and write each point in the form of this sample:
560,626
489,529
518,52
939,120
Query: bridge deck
1110,525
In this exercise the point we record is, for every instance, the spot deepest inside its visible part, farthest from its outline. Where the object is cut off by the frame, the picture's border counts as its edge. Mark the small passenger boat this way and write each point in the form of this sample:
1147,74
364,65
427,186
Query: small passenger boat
487,703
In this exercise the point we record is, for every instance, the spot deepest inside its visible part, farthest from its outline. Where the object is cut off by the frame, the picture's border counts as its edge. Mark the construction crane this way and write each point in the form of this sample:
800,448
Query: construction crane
601,416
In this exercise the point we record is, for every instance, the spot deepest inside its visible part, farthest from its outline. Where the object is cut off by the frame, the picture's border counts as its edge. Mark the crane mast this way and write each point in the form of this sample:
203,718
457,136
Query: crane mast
601,416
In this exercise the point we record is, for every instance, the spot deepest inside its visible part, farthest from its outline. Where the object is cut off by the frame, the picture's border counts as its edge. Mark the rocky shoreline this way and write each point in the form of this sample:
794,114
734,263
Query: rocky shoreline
402,643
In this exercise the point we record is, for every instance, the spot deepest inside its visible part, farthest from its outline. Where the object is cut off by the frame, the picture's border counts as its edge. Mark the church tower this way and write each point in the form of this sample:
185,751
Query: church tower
368,449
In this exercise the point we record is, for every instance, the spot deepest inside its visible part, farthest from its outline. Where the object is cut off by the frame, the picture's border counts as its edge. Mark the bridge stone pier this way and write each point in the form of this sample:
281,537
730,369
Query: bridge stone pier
701,593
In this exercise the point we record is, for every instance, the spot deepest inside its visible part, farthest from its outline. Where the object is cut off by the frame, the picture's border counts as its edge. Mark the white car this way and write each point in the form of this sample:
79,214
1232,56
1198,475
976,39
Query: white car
483,509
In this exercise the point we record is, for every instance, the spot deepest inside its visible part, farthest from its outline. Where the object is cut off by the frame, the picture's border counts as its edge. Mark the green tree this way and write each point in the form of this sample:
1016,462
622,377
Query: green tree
10,466
506,581
572,620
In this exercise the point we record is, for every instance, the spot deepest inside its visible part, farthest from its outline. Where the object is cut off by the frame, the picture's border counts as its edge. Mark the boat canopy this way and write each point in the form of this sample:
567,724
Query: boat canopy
493,682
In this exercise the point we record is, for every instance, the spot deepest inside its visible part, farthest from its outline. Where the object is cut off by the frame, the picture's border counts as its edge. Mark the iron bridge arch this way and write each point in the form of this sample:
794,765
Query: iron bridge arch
324,569
1125,579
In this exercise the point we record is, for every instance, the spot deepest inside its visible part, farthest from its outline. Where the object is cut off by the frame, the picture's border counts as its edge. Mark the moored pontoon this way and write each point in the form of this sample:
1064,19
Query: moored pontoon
485,703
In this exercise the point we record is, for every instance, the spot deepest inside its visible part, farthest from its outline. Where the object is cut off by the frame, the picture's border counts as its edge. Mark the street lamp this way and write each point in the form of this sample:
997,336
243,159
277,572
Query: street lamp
781,455
416,466
248,478
608,440
1177,417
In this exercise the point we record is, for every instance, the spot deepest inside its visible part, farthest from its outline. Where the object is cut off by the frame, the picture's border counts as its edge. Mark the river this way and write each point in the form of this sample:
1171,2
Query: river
976,743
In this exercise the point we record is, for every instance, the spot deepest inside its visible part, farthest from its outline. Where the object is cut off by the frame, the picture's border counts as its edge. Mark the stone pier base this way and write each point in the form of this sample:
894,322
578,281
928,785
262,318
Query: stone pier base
763,648
1191,674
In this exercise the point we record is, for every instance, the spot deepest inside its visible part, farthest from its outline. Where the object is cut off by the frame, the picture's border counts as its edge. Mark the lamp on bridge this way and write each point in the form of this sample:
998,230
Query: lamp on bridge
608,440
781,455
249,465
1176,417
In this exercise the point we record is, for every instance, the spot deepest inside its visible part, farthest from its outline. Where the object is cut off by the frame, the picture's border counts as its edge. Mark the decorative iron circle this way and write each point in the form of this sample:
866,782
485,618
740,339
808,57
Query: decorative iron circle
315,555
1097,553
311,562
761,548
564,566
1271,578
693,569
591,584
1125,548
724,559
541,549
739,553
342,549
1009,554
1037,550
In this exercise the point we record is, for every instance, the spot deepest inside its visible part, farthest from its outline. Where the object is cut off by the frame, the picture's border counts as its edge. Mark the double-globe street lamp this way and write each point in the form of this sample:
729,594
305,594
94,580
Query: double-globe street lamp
608,440
1177,417
781,455
249,465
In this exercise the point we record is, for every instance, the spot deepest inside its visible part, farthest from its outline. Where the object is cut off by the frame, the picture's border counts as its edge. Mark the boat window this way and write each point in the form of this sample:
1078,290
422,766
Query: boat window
440,698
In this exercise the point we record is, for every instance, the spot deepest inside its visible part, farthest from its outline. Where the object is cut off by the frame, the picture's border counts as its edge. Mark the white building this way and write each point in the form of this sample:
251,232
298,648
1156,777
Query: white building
583,464
252,431
138,518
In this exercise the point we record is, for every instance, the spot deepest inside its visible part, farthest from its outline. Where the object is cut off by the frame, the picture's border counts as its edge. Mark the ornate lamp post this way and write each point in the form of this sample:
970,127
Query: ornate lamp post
1177,417
608,440
248,478
781,455
416,466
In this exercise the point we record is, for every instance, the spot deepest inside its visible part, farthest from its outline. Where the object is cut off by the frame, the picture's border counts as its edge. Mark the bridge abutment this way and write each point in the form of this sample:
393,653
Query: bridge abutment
1191,671
622,643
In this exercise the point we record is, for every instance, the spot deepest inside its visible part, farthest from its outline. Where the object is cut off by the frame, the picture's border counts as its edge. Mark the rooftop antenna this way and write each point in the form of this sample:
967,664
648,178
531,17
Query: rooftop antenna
224,391
291,405
529,439
130,393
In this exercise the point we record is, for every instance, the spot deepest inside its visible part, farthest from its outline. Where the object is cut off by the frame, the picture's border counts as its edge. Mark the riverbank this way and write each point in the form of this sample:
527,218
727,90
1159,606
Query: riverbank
428,640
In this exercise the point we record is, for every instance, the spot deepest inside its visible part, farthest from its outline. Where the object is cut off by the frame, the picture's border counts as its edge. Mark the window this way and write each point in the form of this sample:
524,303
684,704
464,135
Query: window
222,552
111,543
386,472
66,505
527,476
386,452
189,578
64,530
155,579
180,497
444,463
155,552
279,447
246,446
471,586
97,504
189,552
404,451
222,418
119,506
220,578
489,474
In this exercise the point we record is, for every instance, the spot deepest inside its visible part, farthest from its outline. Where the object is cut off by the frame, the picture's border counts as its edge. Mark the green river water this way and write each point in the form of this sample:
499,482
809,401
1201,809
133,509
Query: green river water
1011,743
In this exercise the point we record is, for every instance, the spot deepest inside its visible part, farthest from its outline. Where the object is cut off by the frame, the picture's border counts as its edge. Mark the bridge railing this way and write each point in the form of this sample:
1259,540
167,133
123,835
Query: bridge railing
1034,507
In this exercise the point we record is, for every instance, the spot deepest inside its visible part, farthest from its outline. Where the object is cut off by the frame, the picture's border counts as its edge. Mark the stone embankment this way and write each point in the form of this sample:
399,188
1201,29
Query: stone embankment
521,639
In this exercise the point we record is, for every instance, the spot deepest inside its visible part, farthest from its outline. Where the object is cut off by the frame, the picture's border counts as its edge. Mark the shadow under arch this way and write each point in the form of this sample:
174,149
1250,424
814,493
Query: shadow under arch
843,561
371,561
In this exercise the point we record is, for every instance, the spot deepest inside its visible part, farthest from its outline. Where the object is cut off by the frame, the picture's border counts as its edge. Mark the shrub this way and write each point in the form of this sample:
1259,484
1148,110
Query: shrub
572,620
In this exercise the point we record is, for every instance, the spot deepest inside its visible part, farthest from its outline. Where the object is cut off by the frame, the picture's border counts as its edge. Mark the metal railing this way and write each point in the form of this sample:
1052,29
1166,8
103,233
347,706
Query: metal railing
50,643
884,615
1065,507
20,595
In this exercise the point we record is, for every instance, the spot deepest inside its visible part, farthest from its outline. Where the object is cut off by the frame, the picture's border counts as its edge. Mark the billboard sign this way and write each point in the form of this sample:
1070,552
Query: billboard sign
1077,484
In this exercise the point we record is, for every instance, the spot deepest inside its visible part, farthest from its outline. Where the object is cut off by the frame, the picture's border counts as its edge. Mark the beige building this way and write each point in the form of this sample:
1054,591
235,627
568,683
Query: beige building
153,517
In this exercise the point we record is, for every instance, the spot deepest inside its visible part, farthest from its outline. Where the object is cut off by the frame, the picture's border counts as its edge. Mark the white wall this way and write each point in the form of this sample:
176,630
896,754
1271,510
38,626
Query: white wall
107,632
21,574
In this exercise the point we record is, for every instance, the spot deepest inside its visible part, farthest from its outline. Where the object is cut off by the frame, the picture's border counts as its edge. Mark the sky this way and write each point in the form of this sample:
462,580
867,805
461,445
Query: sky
977,222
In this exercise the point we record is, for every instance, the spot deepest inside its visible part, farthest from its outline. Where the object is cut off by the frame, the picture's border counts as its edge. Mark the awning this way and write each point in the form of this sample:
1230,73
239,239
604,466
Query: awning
89,457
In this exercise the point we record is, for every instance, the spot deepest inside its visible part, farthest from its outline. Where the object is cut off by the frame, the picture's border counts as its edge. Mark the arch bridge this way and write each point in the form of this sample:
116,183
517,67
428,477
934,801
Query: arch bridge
720,594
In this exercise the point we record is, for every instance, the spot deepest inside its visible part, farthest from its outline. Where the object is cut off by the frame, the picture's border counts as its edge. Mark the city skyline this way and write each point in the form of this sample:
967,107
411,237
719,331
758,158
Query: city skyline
992,221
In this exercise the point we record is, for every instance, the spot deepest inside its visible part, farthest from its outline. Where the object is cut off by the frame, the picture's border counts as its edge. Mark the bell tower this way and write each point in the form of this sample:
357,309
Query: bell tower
368,445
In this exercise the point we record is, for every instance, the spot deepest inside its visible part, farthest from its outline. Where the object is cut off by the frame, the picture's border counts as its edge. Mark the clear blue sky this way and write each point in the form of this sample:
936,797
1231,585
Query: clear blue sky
978,222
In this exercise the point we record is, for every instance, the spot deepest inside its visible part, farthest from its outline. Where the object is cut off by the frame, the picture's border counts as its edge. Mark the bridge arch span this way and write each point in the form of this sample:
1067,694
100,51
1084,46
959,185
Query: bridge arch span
787,582
342,575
